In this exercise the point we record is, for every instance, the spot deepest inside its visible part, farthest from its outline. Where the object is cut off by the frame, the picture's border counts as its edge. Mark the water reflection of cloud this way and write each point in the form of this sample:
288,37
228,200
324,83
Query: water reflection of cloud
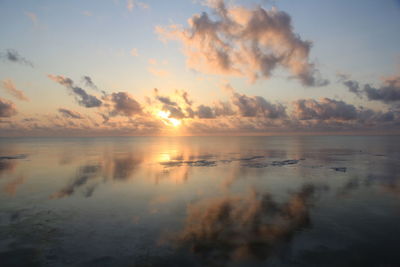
8,163
7,166
116,167
124,166
379,172
11,187
246,227
84,174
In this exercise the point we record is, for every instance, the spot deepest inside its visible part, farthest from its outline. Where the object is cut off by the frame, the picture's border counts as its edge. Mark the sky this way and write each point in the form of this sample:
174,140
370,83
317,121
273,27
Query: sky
199,67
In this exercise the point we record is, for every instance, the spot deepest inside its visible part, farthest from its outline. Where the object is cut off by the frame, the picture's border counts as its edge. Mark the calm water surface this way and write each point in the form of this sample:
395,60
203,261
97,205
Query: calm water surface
200,201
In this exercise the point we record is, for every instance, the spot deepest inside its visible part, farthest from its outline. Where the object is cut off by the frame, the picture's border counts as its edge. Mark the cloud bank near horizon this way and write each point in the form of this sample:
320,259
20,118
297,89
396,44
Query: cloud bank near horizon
119,113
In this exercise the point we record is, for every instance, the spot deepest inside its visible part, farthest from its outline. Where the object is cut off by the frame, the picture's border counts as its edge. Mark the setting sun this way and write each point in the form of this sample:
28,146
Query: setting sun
164,115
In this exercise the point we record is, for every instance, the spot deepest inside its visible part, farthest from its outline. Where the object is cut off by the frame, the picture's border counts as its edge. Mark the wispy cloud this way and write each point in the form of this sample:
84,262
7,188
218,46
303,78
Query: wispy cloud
131,4
82,97
33,17
124,104
87,13
9,86
12,55
155,67
70,113
134,52
388,92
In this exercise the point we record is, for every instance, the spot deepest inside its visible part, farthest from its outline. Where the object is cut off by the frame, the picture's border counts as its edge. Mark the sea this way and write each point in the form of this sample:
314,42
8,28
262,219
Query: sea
200,201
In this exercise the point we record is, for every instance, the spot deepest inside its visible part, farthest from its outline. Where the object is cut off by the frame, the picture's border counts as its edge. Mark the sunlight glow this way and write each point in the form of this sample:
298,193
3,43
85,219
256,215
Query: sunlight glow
167,120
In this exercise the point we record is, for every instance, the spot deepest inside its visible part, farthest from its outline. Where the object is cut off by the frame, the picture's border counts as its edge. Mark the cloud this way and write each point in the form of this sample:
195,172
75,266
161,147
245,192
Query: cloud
70,113
388,92
84,99
125,105
87,13
353,87
166,100
205,112
131,4
155,69
222,108
325,109
244,42
134,52
240,105
185,97
11,89
122,114
33,17
257,106
175,110
158,72
13,56
88,82
7,108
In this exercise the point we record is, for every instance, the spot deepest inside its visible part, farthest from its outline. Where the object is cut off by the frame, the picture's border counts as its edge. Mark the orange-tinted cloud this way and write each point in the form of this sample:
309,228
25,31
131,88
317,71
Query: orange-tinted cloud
244,42
7,108
11,89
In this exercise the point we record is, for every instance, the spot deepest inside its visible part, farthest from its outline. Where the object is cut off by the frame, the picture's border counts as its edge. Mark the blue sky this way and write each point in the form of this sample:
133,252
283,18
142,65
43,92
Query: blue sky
97,38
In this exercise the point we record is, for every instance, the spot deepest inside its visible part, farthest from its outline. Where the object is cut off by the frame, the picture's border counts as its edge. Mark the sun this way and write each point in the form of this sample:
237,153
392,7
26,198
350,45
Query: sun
164,115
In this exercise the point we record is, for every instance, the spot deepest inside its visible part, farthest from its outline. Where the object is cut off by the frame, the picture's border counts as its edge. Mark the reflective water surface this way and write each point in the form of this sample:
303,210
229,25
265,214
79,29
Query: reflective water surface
200,201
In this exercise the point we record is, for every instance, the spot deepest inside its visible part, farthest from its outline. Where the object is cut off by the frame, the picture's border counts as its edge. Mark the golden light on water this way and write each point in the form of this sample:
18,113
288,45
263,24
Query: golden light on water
164,115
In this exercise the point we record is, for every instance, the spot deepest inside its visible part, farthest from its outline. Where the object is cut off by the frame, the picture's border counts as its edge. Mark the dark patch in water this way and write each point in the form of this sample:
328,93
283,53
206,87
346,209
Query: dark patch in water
252,158
285,162
20,257
20,156
192,163
255,165
339,169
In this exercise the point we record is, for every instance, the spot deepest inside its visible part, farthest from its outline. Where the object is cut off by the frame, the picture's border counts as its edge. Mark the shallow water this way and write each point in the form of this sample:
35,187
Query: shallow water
200,201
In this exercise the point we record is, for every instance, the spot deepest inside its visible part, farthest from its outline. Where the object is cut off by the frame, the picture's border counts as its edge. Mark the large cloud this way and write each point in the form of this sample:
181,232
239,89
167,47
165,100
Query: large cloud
82,97
244,42
7,108
11,89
